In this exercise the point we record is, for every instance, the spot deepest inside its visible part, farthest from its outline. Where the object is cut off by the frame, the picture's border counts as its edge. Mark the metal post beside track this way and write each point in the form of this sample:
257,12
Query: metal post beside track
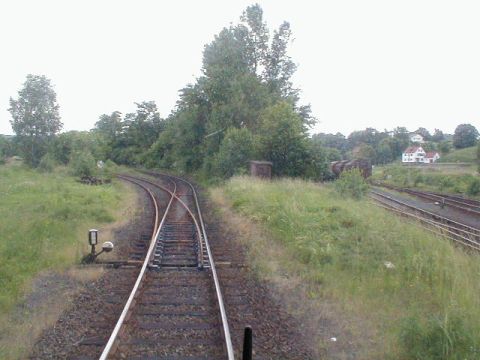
247,344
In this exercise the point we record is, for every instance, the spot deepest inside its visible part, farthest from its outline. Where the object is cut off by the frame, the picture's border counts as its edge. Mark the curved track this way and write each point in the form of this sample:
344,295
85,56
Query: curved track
175,309
455,231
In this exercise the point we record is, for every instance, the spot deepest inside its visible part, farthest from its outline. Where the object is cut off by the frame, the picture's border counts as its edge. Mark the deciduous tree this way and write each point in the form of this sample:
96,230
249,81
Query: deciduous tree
35,117
465,135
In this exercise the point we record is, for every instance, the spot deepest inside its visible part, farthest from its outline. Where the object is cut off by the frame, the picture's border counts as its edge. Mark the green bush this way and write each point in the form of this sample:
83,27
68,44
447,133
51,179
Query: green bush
82,164
108,171
474,187
47,163
352,184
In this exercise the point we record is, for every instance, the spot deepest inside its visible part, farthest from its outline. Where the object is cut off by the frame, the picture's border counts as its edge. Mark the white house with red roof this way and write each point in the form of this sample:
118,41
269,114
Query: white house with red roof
431,157
416,154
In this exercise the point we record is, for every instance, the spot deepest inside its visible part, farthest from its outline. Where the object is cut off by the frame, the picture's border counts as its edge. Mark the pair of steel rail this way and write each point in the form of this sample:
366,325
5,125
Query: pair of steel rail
453,230
469,206
203,241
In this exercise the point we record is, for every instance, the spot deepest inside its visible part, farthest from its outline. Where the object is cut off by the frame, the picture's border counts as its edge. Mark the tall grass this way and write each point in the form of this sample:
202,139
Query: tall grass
44,218
427,305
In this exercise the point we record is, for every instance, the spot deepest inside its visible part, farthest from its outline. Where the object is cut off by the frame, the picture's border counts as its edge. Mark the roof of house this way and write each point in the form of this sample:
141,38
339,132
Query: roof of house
431,155
412,149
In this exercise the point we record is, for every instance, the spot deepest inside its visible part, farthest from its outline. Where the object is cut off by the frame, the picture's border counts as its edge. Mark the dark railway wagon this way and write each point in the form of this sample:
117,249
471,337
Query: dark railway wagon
364,165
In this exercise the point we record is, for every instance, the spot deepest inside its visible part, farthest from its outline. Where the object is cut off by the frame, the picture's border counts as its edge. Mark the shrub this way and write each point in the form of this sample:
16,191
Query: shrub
108,171
47,163
352,184
82,164
418,180
474,187
445,182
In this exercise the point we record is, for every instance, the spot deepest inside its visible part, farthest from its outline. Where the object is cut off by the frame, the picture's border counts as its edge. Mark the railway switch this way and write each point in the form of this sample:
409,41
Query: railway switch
93,241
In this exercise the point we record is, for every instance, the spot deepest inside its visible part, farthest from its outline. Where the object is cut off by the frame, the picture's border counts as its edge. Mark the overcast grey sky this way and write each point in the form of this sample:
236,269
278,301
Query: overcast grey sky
376,63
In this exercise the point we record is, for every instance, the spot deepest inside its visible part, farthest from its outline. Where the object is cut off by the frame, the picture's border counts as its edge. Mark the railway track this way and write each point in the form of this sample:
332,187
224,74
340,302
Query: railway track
469,206
462,234
175,309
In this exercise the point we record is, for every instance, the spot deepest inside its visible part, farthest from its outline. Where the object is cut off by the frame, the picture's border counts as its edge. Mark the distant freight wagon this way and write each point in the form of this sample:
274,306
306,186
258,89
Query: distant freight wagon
364,165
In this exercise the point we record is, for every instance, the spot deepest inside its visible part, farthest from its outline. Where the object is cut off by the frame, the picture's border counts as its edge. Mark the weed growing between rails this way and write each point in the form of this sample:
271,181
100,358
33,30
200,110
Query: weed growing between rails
398,277
43,226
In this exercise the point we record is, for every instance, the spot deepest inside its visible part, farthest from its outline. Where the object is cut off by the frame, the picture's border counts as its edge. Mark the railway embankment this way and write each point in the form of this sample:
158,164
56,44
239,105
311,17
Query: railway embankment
365,283
44,219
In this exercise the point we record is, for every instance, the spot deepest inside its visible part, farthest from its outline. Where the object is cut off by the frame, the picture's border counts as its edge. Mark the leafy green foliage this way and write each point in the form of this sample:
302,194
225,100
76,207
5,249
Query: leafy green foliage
474,187
35,117
445,147
438,136
82,163
235,151
364,151
424,132
465,136
7,147
65,144
126,140
282,141
351,184
246,91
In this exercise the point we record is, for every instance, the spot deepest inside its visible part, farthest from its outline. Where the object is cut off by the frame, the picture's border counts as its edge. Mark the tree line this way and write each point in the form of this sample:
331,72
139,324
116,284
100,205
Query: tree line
242,107
382,147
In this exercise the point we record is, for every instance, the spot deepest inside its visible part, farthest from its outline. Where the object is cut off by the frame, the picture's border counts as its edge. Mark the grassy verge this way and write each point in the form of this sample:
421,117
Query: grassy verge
44,219
424,305
467,155
449,179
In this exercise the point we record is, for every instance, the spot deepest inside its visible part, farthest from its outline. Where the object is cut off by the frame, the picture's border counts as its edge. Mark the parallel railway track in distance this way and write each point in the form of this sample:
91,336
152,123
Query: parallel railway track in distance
462,234
469,206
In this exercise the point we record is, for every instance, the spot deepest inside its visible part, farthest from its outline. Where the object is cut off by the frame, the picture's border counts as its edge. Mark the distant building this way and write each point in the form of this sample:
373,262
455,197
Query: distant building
431,157
413,154
416,138
416,154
